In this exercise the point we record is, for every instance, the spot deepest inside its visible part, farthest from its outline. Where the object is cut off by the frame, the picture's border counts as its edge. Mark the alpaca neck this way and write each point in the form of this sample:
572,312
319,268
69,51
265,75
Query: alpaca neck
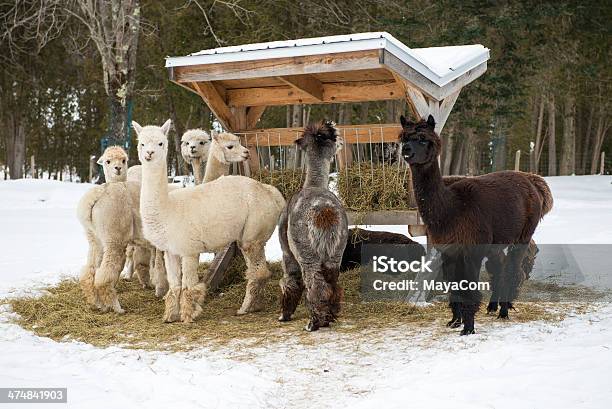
317,172
154,201
214,167
196,164
434,199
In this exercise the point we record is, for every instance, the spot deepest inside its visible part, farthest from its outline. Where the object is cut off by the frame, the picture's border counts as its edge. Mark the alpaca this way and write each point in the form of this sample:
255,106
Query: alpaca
110,225
205,218
224,150
313,231
473,218
195,144
351,258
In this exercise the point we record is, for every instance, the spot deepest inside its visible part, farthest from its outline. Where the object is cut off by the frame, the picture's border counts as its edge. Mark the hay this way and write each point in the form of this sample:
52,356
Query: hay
367,187
287,181
61,313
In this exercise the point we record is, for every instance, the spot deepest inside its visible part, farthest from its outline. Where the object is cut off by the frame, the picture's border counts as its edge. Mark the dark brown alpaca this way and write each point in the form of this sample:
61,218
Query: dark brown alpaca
474,218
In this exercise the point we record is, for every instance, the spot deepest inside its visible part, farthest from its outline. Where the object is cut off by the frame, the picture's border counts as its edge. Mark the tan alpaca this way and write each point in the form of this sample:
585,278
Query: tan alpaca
195,144
106,214
204,218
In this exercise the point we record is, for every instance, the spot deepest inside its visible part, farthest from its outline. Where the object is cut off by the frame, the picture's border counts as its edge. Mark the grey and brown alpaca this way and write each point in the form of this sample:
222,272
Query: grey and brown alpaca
313,231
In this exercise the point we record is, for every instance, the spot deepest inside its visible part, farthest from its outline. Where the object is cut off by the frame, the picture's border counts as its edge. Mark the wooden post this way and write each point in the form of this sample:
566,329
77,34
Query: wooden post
32,167
517,160
603,160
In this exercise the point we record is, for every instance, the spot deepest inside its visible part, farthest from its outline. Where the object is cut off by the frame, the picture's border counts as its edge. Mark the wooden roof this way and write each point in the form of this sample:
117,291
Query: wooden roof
349,68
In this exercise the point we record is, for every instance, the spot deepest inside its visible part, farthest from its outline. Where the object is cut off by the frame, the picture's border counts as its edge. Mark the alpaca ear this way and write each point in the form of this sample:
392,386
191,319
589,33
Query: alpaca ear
214,135
431,122
100,161
405,122
136,127
299,143
166,127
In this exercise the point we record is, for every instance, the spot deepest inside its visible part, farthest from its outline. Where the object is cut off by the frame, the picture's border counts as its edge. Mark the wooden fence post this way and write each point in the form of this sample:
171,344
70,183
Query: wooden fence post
517,160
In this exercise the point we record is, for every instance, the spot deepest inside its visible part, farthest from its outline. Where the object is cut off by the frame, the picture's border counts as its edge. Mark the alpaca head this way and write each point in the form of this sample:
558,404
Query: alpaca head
320,140
195,144
114,163
419,142
226,148
152,142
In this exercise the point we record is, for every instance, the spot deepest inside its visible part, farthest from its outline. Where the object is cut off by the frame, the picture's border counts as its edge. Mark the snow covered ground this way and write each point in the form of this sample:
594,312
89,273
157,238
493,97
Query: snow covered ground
512,365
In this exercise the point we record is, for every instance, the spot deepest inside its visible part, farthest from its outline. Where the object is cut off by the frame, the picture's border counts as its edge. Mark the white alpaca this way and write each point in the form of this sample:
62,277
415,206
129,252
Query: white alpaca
204,218
224,150
195,144
106,213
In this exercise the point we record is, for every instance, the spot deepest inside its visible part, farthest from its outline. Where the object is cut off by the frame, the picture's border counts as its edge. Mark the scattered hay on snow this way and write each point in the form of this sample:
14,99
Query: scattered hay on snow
62,314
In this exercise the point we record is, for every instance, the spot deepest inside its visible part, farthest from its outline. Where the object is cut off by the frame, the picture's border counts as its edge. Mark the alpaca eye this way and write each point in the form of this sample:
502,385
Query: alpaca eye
123,161
142,144
161,144
423,142
230,146
201,143
108,162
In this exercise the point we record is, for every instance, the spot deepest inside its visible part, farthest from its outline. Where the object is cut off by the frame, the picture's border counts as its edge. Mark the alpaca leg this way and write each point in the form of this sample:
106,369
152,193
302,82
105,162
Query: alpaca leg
331,271
159,272
172,297
128,268
257,275
107,275
192,292
142,257
291,286
494,266
318,295
513,276
470,299
449,269
88,272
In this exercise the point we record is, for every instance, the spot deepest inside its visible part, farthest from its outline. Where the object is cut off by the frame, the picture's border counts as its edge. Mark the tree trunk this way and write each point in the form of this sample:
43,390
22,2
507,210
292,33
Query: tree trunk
584,161
552,146
448,146
538,138
568,157
600,135
15,146
472,152
499,146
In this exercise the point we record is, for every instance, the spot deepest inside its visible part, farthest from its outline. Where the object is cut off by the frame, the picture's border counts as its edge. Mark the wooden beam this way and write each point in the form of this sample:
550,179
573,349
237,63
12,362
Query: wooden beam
215,102
374,133
384,217
253,116
415,98
311,64
353,91
446,106
307,84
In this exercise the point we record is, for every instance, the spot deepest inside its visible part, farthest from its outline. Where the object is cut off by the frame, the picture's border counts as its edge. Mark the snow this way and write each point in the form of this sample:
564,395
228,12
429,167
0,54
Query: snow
513,365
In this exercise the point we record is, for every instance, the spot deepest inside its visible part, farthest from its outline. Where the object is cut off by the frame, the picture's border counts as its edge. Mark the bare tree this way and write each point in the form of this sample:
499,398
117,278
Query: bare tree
114,26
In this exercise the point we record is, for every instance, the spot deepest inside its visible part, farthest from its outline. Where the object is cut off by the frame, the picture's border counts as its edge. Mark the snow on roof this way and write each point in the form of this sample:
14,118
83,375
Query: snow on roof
439,64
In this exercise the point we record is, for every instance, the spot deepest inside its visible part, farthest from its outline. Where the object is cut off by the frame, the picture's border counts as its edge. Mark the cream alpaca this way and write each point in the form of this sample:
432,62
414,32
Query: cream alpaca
195,144
204,218
110,225
224,150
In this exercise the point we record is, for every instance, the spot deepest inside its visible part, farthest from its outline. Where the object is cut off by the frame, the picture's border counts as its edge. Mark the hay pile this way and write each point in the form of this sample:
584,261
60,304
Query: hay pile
365,187
287,181
62,314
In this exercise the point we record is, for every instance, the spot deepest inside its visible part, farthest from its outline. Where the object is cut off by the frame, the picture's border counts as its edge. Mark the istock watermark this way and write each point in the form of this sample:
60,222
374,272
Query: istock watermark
544,273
